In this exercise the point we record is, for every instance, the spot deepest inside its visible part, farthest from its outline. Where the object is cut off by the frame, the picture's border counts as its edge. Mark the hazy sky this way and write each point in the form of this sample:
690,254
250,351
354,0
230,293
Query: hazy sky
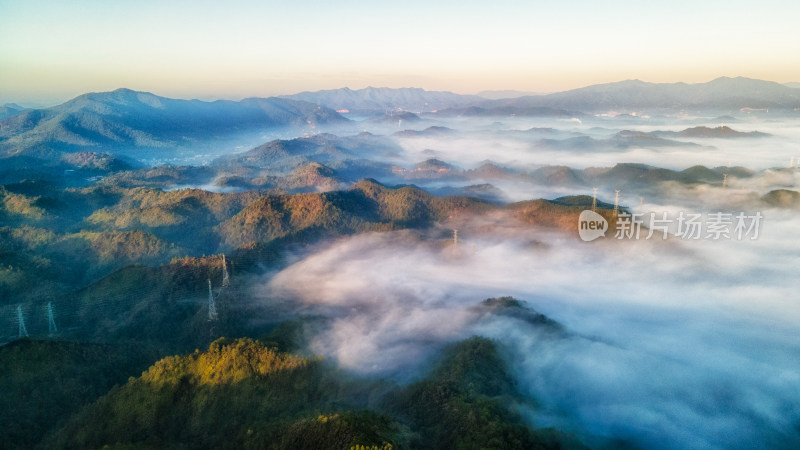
52,51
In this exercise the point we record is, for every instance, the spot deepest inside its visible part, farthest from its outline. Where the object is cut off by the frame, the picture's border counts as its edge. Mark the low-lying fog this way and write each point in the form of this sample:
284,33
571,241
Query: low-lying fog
525,144
676,344
672,344
469,147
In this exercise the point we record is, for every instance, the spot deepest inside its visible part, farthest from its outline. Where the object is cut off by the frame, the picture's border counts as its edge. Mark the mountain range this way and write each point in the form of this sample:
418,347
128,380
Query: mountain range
126,118
383,99
504,93
722,93
102,278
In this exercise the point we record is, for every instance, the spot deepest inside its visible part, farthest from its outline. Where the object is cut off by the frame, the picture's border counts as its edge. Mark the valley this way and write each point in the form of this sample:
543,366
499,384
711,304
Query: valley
398,268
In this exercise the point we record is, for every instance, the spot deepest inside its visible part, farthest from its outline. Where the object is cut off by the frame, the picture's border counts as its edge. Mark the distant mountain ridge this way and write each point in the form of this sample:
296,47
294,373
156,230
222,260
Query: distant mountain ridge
721,93
127,119
382,99
140,119
722,131
505,93
11,109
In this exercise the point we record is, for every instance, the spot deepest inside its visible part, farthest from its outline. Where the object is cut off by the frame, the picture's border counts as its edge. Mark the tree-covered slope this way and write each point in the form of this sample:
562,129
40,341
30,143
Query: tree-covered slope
244,394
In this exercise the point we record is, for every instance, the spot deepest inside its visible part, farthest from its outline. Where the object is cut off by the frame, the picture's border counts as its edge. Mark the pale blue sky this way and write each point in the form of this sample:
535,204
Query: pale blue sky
52,51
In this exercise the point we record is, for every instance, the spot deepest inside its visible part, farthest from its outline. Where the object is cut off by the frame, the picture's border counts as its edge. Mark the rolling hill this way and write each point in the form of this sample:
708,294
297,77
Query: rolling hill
44,382
286,155
720,132
245,394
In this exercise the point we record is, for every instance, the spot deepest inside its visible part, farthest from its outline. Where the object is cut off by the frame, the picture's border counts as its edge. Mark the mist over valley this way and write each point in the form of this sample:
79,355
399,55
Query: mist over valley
401,268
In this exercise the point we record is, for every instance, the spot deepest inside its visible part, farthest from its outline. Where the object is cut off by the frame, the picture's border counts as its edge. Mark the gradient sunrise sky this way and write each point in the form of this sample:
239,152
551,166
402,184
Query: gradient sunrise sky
53,51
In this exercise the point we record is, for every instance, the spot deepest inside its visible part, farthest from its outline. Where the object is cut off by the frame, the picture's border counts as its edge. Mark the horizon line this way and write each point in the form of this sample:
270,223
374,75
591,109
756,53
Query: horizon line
213,98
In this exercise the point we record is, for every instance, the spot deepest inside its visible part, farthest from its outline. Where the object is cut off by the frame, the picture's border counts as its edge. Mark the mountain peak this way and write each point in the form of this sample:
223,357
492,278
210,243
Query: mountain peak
125,91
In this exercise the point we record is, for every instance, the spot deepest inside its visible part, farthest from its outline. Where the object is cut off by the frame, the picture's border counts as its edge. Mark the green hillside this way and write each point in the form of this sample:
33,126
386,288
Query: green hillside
45,382
244,394
238,394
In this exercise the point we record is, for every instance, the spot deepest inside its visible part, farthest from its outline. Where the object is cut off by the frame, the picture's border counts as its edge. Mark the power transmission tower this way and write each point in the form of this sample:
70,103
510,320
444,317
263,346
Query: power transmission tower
51,322
23,332
226,280
616,202
212,307
594,199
